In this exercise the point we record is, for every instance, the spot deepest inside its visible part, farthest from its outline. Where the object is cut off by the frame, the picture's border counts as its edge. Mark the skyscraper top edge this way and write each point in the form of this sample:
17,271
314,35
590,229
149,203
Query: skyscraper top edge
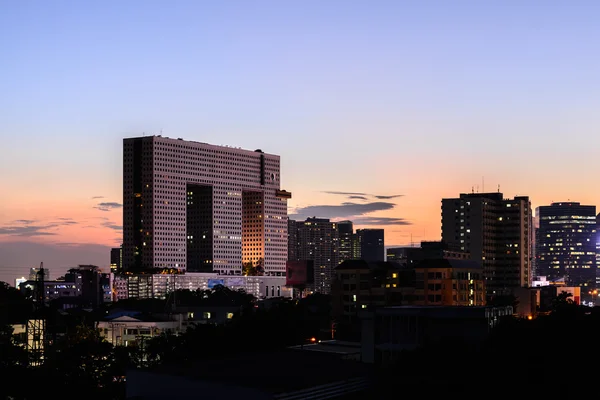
164,139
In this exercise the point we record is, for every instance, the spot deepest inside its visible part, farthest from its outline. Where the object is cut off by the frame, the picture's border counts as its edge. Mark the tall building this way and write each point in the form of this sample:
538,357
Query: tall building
497,232
411,256
346,233
199,207
371,242
318,241
293,241
598,250
534,257
33,274
567,243
116,259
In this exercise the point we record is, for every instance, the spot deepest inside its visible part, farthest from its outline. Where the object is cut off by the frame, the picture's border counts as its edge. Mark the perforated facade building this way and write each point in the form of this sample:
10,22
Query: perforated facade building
200,207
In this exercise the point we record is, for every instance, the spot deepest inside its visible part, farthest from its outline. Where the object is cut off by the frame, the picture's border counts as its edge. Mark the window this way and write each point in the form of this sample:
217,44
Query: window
207,315
229,315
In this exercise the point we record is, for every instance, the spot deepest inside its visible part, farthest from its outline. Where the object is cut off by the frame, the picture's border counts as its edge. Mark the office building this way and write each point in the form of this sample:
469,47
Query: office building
359,284
34,274
390,331
371,242
347,239
20,280
159,286
598,250
409,257
201,208
293,241
534,257
496,232
567,241
116,257
449,282
318,241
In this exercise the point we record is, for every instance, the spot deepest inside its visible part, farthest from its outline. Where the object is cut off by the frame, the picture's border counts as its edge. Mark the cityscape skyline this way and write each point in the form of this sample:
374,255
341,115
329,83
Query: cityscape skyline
362,90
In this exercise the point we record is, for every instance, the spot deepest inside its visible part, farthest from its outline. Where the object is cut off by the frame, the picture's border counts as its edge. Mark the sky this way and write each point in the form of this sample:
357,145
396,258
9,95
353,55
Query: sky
379,109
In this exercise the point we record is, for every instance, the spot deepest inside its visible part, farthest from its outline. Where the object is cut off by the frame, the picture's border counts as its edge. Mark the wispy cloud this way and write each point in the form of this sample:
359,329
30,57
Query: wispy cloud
97,197
380,221
28,230
347,209
65,221
24,221
364,196
31,228
346,193
108,205
112,225
68,244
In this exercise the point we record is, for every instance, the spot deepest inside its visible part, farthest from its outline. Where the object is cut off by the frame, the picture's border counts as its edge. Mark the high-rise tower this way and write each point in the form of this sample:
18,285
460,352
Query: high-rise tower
347,239
566,246
201,207
372,246
317,240
497,232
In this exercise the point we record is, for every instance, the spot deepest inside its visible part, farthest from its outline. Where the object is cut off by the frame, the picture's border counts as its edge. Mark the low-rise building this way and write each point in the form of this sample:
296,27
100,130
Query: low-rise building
388,331
284,375
133,328
449,282
159,286
206,314
359,284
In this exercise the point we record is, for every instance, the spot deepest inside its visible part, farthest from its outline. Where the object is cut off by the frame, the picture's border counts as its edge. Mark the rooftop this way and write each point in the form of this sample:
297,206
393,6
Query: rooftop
448,263
273,372
181,141
331,346
442,312
362,264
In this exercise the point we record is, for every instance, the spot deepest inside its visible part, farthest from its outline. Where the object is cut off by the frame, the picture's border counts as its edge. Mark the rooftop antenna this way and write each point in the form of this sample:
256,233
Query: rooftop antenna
477,189
473,189
498,188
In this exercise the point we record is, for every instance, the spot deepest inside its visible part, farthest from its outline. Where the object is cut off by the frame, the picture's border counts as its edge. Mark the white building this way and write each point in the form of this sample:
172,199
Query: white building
20,280
201,207
158,286
120,291
131,330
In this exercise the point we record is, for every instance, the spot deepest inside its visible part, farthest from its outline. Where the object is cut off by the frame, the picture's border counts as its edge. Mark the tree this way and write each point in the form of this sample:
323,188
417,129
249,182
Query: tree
249,269
14,306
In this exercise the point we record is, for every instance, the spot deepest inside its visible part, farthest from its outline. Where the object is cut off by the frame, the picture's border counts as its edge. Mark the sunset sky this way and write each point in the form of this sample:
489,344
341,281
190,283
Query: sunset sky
377,108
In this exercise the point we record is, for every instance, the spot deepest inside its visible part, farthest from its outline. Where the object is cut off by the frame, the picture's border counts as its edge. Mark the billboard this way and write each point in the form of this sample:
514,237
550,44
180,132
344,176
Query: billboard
215,282
299,273
237,282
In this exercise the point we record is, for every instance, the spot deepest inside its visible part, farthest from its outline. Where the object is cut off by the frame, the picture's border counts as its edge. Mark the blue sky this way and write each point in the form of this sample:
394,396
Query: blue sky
420,98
